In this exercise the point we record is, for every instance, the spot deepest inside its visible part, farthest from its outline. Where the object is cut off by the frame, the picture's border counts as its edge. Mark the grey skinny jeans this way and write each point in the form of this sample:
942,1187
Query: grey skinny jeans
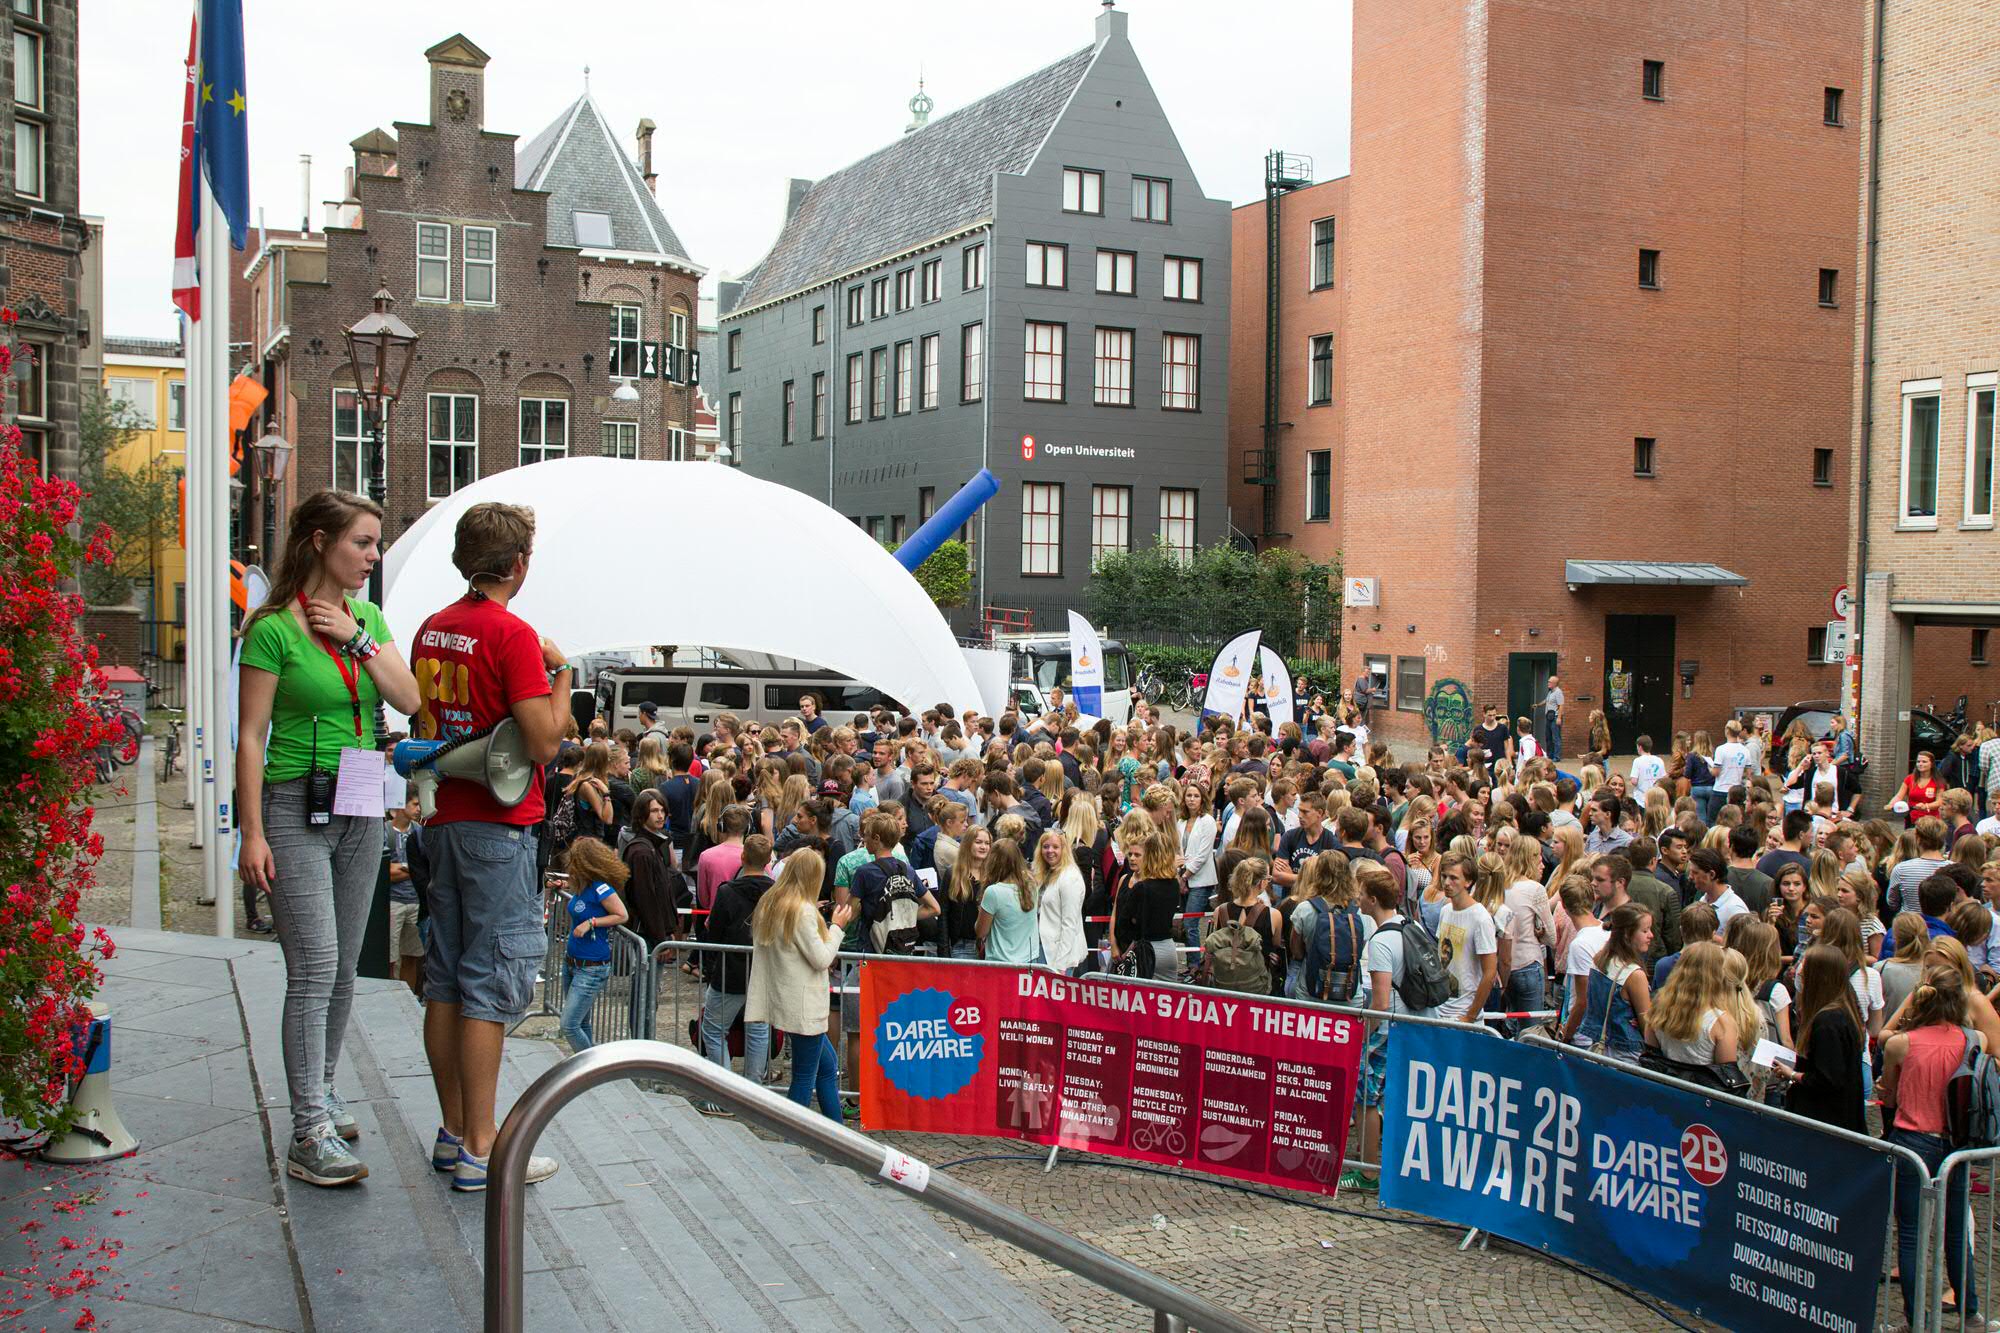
320,895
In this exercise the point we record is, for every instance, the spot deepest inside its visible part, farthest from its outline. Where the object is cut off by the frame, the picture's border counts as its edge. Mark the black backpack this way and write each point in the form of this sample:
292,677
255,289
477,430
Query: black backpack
1425,983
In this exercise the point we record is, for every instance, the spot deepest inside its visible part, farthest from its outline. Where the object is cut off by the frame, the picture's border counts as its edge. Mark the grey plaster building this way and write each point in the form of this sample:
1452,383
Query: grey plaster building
1035,284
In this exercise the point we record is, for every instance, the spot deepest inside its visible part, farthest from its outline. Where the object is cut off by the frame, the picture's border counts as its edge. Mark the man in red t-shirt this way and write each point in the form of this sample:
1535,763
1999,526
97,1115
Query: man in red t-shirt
476,664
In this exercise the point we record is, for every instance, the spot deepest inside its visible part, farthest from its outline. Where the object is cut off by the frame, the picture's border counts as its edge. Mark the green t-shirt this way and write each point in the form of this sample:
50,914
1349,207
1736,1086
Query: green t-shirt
311,694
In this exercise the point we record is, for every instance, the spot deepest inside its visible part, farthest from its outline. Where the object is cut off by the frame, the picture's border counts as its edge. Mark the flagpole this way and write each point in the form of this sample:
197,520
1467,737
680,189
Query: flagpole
191,507
215,321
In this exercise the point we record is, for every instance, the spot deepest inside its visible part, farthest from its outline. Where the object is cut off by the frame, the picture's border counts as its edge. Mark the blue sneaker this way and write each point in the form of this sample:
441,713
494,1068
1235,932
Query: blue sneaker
444,1153
342,1119
469,1174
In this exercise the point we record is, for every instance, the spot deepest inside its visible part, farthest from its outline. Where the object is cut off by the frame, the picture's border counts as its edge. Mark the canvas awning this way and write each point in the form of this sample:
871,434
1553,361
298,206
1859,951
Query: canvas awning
1651,573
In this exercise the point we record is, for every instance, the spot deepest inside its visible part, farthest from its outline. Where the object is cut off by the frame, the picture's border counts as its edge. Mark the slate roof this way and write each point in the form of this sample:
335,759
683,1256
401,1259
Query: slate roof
929,183
584,168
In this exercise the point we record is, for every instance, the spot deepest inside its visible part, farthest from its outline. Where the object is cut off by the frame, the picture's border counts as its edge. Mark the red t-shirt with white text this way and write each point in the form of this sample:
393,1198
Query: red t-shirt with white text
474,661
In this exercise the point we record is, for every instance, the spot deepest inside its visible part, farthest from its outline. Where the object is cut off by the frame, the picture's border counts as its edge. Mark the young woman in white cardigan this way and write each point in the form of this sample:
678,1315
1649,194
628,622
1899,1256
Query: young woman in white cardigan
1060,909
788,975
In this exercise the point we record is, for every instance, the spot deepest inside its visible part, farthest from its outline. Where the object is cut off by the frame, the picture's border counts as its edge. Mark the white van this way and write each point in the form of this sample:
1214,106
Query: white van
1041,663
753,686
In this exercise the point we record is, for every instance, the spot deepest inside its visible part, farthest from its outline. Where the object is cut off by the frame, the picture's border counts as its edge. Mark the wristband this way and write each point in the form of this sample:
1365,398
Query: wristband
362,646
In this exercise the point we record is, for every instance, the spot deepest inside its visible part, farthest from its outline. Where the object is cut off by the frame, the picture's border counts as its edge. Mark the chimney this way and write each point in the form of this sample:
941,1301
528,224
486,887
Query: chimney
374,153
795,194
646,128
305,193
458,83
1110,23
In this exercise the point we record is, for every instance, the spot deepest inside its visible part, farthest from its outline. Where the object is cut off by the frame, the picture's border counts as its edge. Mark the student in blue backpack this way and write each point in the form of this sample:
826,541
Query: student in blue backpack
1328,933
595,876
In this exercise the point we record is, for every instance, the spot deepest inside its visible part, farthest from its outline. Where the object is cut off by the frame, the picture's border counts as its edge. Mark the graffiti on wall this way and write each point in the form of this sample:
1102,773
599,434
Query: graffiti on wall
1448,712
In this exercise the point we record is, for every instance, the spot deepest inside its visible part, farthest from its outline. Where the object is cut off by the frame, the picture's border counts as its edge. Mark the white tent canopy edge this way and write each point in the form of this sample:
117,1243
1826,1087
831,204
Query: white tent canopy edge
806,584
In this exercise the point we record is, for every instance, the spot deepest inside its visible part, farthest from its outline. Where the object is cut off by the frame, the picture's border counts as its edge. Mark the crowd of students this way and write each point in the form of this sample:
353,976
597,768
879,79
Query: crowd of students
1724,913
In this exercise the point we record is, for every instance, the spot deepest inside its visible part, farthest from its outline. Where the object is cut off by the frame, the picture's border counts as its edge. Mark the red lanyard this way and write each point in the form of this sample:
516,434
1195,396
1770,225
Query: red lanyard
350,673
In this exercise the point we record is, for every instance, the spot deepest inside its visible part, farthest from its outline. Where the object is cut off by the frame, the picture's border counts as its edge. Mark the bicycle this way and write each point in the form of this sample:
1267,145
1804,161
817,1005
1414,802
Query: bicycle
170,747
125,749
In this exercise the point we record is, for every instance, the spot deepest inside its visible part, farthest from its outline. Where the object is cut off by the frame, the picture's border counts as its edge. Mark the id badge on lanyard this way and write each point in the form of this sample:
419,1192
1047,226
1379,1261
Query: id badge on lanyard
320,787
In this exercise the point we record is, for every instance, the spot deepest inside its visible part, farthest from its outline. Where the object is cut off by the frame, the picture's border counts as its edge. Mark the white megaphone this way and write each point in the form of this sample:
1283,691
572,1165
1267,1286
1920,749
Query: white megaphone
497,761
95,1134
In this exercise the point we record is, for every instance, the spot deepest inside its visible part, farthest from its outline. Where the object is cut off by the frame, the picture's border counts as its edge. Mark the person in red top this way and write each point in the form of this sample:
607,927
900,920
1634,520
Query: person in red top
477,663
1920,792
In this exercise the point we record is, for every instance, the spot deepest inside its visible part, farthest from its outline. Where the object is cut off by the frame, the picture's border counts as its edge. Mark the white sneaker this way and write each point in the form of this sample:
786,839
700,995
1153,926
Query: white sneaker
469,1175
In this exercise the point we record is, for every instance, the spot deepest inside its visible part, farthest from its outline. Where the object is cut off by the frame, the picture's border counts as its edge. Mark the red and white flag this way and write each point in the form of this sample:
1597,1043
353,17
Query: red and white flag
187,280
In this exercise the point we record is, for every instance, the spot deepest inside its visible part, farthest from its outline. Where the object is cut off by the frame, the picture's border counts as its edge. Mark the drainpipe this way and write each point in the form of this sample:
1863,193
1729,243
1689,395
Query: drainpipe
1873,240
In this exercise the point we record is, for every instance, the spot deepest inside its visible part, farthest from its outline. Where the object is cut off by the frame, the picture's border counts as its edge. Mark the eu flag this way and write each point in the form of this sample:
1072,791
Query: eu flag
222,123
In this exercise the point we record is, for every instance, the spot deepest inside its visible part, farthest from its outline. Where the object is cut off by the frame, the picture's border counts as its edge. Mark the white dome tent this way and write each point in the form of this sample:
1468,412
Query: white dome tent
807,583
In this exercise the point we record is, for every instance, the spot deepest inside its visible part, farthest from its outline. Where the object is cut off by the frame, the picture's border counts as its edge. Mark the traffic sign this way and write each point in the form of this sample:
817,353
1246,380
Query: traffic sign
1842,603
1836,640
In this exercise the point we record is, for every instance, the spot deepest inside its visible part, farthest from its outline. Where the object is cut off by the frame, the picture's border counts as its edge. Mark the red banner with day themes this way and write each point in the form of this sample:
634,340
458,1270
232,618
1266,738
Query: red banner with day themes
1211,1080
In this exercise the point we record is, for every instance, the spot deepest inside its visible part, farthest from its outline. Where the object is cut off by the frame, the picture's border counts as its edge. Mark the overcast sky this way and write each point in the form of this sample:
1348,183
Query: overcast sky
746,96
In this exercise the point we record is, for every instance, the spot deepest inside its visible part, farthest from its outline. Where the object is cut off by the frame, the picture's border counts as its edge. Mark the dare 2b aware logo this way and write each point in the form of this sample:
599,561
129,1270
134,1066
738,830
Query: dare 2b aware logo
927,1043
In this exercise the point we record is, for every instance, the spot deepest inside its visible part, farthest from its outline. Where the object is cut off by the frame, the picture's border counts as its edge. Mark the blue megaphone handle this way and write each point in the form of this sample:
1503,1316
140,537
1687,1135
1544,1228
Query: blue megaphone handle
410,756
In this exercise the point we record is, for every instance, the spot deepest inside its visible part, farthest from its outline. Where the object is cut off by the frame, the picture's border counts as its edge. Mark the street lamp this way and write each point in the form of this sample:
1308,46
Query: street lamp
626,392
380,349
274,451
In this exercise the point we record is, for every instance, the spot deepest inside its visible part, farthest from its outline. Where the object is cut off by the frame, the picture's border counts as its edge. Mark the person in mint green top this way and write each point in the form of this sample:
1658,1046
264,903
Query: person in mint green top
1010,929
316,661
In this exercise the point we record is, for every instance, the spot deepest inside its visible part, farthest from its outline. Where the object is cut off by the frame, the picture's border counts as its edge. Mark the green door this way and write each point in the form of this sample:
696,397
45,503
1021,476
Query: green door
1527,681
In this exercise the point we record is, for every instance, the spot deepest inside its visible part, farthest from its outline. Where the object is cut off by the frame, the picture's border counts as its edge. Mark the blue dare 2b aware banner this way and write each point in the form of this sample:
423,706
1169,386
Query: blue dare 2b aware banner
1747,1220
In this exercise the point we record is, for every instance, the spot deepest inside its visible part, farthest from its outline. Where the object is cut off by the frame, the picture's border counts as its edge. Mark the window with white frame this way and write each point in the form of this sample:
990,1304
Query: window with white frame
905,377
878,383
1082,191
1043,371
906,289
1177,514
972,266
1111,380
1322,253
788,421
1110,522
971,363
619,439
135,397
626,329
452,440
818,325
592,229
853,306
677,326
927,372
1319,486
30,104
933,280
1979,405
819,405
349,452
544,429
1041,529
1183,279
1150,198
1319,383
878,297
177,405
677,445
1180,372
736,419
31,403
1922,408
481,256
1048,265
856,388
1117,272
433,261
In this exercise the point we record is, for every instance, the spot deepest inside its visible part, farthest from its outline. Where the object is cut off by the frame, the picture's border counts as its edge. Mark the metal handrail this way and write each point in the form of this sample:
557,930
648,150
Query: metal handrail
1174,1309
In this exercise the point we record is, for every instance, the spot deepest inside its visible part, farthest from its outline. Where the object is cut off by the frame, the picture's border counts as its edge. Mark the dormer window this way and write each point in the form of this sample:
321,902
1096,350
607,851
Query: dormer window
593,229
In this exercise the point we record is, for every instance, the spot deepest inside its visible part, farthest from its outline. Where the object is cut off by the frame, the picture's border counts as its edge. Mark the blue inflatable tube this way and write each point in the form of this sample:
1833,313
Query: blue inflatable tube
948,520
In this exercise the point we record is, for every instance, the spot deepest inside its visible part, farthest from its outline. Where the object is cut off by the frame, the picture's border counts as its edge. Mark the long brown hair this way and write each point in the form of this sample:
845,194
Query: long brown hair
330,512
1006,865
589,861
1823,984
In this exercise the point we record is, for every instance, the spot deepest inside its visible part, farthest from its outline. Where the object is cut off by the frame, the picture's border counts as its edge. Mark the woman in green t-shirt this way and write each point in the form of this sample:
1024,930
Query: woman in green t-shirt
316,662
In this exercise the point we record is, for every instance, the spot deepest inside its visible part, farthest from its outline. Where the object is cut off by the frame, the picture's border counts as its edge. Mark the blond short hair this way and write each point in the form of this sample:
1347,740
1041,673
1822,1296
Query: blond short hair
488,538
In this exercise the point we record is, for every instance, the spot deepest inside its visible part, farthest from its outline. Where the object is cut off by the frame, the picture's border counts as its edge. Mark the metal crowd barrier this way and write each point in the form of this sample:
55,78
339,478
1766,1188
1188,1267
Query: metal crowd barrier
1975,1170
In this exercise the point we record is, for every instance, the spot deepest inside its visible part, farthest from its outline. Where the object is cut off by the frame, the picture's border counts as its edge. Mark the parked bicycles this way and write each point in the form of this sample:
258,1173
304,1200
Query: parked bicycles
124,747
170,745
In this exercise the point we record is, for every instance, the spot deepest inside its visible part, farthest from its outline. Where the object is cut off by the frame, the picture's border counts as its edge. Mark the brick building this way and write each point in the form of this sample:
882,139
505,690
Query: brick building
1925,554
542,277
1035,284
42,234
1567,375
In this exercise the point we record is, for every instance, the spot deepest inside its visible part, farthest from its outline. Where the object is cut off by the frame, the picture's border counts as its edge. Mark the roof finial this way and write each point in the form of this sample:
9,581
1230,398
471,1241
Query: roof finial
920,106
586,78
